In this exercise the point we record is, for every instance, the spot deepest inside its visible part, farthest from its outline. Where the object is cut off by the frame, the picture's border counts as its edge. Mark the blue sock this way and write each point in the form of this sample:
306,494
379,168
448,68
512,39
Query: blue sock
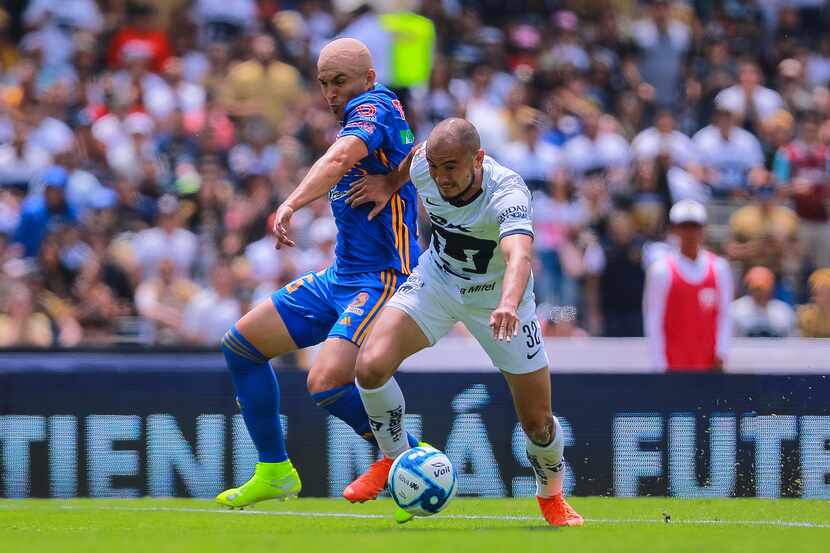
344,403
258,394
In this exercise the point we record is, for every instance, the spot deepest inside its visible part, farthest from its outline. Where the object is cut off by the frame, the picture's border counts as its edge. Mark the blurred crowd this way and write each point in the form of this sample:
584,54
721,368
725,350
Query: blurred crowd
145,144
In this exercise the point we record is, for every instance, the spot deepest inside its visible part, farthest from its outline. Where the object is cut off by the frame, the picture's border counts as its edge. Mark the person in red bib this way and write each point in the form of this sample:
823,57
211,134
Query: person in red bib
686,300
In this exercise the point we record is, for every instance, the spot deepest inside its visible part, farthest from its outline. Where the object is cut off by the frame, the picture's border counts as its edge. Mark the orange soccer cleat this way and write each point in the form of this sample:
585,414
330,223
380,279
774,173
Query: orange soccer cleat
369,484
557,511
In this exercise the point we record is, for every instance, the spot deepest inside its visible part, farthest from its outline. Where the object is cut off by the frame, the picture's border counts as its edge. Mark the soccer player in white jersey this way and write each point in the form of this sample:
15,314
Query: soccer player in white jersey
477,271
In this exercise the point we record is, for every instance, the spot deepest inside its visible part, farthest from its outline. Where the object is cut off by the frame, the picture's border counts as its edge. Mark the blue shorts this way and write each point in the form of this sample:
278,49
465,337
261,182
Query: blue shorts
322,305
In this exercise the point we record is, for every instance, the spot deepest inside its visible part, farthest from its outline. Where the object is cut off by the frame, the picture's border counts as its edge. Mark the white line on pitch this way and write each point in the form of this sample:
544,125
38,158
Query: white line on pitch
711,522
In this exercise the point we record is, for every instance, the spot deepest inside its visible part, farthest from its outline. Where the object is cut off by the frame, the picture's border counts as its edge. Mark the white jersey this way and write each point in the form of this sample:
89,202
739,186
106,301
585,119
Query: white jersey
460,277
465,239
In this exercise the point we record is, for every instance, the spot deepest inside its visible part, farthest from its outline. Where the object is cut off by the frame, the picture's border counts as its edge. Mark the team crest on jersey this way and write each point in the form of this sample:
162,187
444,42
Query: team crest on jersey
366,110
357,304
708,298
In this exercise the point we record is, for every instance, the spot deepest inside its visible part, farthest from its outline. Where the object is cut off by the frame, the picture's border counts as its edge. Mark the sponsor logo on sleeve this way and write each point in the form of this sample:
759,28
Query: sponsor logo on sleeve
407,137
369,128
366,111
513,212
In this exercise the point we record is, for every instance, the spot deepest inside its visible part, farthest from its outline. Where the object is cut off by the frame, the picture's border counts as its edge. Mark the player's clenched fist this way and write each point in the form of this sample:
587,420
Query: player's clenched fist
281,221
504,322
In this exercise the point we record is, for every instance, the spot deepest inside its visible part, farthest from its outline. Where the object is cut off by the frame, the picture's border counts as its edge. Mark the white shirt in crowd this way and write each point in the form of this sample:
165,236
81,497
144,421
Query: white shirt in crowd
776,319
732,157
536,164
651,142
684,186
765,100
208,316
609,150
81,14
655,295
153,245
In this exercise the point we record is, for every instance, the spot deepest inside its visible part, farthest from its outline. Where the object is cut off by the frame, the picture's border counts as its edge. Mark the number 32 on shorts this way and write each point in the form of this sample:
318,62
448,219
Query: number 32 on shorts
533,341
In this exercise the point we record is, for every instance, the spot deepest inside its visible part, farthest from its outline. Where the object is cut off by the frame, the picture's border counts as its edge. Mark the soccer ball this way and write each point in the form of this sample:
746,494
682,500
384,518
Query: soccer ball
422,481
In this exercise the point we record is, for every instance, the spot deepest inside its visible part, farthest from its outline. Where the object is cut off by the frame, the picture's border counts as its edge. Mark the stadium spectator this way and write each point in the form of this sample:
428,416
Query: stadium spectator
530,156
166,241
686,299
557,217
263,85
212,311
619,266
663,138
749,101
39,213
21,322
162,300
140,33
596,148
765,232
728,153
758,314
801,169
814,318
663,42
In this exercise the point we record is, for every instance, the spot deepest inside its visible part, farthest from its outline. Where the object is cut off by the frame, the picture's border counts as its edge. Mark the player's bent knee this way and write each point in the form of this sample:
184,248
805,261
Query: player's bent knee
371,370
539,428
323,377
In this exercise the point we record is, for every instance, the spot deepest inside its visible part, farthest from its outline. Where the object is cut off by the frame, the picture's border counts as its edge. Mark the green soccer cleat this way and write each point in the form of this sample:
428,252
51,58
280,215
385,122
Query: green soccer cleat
401,516
270,481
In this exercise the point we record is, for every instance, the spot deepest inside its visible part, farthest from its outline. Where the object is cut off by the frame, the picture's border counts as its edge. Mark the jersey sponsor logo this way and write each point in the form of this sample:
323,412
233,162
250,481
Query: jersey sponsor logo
366,111
345,321
365,125
708,298
357,304
335,195
488,287
513,212
407,137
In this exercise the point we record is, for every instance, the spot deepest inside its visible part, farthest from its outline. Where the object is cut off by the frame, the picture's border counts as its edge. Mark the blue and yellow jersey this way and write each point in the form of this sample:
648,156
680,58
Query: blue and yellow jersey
390,240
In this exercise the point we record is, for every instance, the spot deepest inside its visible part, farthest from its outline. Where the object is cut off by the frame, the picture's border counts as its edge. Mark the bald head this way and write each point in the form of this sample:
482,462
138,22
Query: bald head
345,53
456,135
344,70
455,157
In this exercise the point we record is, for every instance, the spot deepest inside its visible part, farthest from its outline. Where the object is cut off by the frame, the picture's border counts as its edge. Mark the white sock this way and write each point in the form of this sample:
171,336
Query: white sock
386,407
547,463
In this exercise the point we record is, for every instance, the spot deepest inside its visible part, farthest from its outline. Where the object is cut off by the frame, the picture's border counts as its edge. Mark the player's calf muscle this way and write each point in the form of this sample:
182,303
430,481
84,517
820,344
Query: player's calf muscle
539,428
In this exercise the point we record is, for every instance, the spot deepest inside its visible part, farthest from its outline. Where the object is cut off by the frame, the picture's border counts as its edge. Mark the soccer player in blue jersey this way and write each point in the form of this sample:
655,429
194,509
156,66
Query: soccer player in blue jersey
338,305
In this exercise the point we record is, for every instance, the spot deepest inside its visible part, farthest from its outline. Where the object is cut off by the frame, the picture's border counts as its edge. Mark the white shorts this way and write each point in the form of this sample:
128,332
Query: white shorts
436,302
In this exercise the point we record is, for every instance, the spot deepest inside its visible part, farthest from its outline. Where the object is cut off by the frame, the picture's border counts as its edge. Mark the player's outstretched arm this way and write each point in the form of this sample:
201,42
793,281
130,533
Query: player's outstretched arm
518,256
378,189
323,175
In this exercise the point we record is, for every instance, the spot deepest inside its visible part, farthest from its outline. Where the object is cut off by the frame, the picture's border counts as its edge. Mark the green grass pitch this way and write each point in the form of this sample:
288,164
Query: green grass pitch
478,525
